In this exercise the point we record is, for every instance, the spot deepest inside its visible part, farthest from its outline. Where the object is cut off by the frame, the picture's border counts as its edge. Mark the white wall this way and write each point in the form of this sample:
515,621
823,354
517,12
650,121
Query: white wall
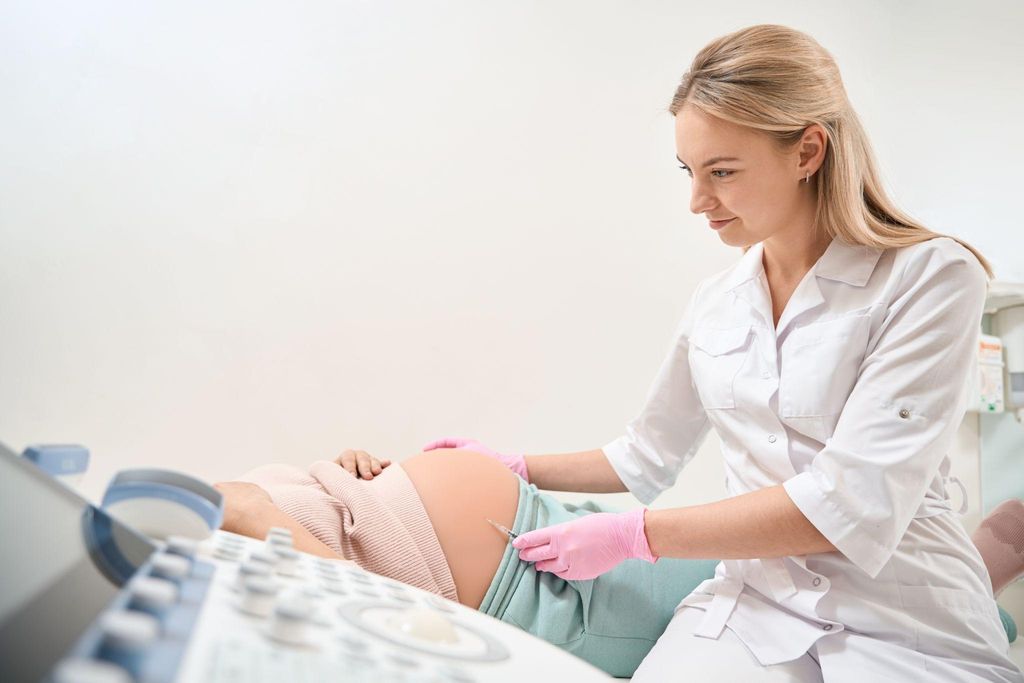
239,232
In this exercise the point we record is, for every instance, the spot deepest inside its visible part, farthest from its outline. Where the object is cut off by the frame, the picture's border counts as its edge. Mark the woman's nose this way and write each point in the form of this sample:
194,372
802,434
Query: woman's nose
701,198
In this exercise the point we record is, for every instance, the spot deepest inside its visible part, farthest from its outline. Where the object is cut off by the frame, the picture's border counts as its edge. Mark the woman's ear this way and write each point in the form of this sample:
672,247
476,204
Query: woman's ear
811,150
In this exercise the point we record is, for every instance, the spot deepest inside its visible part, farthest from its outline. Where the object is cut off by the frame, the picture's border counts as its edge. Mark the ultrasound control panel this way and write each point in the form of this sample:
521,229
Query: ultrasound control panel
88,600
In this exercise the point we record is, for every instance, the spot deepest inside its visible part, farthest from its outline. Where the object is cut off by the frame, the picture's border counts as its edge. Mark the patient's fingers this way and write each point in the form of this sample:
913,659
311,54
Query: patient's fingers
347,460
361,463
366,464
381,464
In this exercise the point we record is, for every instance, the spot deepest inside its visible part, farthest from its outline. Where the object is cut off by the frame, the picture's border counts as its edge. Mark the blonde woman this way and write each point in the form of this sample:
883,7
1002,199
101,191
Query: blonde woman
831,360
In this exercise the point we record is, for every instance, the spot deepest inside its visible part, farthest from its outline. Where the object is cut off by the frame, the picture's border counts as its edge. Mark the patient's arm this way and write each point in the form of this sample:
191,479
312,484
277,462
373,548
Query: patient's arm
248,510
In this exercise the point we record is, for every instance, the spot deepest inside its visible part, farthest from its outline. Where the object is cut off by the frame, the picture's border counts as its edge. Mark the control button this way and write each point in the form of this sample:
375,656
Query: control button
425,624
279,532
290,622
361,578
287,560
321,617
402,660
249,570
327,570
403,598
354,642
173,567
263,555
81,670
368,592
311,592
336,587
231,539
153,595
181,545
258,596
128,631
827,627
228,552
455,674
772,438
816,582
275,542
904,413
360,661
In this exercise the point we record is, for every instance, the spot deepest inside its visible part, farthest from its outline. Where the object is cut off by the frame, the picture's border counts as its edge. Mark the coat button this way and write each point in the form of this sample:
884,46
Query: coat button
817,581
771,438
904,413
827,627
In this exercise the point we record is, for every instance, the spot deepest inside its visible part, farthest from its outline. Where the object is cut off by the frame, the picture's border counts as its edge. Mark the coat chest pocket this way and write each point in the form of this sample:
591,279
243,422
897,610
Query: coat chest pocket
716,357
820,364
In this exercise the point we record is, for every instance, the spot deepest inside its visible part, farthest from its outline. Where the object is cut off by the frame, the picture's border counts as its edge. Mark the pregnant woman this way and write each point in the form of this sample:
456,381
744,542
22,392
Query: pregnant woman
424,522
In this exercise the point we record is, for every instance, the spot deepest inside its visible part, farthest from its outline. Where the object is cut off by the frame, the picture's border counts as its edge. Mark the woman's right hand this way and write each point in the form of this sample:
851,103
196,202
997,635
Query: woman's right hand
361,464
515,462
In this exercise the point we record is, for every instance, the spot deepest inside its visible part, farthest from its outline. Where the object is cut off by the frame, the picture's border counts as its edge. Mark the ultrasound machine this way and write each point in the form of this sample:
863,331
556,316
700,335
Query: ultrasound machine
87,598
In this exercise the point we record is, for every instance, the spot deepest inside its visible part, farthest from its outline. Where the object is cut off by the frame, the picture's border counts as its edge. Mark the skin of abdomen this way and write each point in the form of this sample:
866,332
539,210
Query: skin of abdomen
460,490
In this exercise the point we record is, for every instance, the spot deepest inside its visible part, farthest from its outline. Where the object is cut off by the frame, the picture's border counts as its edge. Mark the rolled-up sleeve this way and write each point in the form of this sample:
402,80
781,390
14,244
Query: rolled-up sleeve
668,431
863,488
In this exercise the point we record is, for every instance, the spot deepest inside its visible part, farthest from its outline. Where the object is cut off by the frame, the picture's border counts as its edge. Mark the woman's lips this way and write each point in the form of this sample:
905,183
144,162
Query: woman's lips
718,225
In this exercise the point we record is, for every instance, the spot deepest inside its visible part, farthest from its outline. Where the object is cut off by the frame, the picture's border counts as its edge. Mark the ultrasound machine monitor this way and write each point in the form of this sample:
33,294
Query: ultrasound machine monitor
64,562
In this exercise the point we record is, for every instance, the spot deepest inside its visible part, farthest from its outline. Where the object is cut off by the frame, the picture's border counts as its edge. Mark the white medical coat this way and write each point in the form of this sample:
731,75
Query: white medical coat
851,403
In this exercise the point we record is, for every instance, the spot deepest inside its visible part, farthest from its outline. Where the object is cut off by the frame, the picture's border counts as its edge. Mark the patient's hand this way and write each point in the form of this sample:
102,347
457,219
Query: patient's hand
241,499
250,511
361,463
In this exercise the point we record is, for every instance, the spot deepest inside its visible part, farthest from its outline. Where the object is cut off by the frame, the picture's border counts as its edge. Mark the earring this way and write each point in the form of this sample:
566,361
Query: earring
808,178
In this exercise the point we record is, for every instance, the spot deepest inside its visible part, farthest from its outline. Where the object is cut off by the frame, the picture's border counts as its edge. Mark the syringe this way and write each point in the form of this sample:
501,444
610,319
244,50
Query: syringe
503,529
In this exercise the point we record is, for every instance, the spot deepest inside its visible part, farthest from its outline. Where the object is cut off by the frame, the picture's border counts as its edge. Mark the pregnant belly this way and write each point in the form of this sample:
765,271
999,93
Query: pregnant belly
460,490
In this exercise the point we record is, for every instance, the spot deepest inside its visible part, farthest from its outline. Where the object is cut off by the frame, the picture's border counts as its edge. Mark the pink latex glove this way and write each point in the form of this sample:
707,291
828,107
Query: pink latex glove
516,463
587,547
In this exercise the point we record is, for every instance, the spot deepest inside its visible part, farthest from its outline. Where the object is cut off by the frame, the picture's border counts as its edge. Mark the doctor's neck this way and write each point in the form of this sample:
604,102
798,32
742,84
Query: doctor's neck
790,253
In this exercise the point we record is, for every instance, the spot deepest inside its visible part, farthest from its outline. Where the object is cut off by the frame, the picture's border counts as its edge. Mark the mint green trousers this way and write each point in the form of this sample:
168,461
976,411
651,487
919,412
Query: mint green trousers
612,621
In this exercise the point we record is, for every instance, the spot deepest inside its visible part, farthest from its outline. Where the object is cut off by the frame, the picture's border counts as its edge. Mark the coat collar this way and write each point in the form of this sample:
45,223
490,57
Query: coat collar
750,267
851,264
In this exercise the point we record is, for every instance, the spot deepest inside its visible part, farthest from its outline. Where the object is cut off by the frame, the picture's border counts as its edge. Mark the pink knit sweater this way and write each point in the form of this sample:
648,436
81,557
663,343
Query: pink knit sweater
380,524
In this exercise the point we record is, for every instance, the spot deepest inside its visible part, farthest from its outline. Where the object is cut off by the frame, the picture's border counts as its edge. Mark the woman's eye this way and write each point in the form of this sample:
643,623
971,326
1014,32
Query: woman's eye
726,173
687,171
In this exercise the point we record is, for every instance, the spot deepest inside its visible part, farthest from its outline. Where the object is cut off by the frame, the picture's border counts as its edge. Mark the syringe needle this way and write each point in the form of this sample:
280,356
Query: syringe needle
503,529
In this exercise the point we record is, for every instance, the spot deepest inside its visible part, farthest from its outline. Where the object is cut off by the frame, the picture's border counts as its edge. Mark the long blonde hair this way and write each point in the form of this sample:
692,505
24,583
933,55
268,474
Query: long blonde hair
778,80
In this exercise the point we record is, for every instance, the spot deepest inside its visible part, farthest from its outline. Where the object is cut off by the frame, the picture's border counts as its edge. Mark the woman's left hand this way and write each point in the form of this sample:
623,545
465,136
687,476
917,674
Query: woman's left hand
361,463
587,547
